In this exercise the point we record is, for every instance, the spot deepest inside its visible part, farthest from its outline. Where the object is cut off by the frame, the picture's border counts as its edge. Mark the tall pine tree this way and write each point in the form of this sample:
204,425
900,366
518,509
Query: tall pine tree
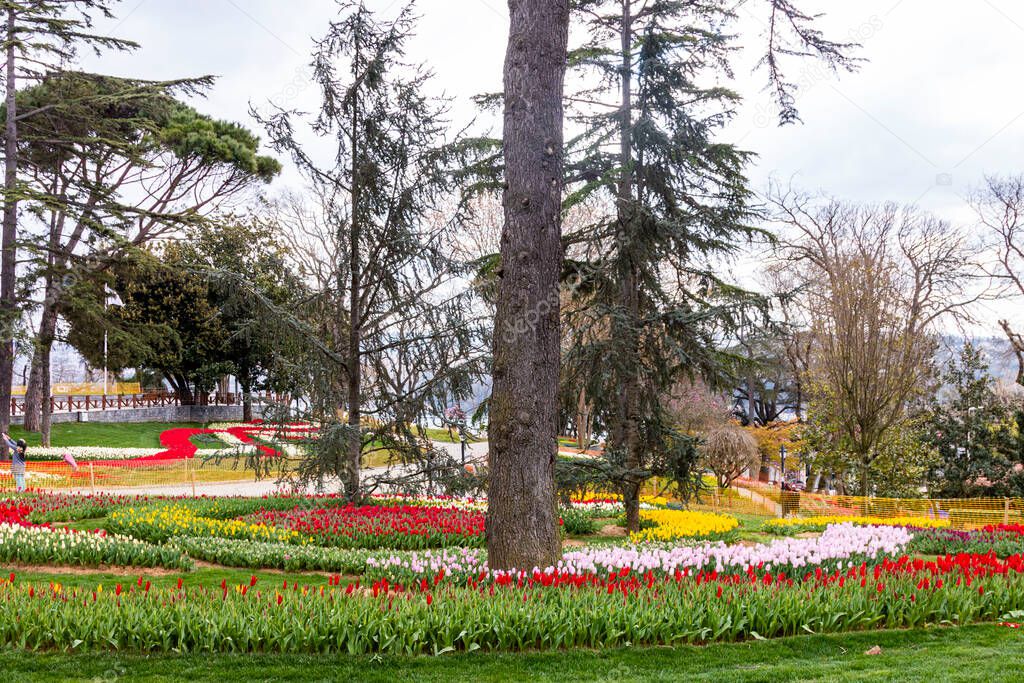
384,329
38,38
652,114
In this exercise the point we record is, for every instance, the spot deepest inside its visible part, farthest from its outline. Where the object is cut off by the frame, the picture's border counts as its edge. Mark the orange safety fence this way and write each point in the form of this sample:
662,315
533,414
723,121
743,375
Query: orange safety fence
962,513
743,497
770,501
120,474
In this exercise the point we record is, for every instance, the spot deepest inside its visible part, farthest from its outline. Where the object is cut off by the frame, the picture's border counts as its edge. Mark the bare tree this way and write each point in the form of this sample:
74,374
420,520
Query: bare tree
875,282
728,452
1000,208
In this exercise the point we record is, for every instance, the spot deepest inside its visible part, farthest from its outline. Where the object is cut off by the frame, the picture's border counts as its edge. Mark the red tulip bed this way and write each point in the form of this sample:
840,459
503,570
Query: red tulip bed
178,441
15,513
538,610
405,527
419,606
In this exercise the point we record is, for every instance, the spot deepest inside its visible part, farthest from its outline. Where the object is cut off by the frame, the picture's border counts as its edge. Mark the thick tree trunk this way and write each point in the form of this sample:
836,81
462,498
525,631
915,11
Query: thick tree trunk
355,443
34,393
628,408
34,390
522,521
246,401
45,408
8,248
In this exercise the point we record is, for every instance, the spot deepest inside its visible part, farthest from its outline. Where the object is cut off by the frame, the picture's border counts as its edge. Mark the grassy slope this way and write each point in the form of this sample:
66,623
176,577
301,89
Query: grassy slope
988,653
110,435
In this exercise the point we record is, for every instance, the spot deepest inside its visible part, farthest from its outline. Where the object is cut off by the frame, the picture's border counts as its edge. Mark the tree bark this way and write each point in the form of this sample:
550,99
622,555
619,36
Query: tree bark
8,249
35,394
628,431
34,388
45,408
1017,344
355,443
584,421
522,521
246,401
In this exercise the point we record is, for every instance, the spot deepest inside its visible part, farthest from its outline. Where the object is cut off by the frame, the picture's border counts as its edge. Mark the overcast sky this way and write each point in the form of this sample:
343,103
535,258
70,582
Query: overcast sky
936,105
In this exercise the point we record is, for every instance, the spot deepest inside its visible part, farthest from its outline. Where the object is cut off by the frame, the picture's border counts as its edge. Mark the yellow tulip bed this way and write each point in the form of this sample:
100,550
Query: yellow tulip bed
798,524
159,523
683,524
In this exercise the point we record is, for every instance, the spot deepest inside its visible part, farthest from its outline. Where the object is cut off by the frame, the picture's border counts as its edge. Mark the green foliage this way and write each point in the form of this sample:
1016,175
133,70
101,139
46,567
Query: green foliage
900,464
373,244
257,555
244,618
671,199
577,522
977,434
192,309
189,134
166,321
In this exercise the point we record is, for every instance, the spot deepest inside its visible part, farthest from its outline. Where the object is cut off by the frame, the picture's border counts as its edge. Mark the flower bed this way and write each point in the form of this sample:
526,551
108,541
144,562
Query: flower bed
159,523
62,507
89,453
792,525
257,555
43,545
376,526
839,546
683,524
599,507
1002,542
14,513
546,610
478,504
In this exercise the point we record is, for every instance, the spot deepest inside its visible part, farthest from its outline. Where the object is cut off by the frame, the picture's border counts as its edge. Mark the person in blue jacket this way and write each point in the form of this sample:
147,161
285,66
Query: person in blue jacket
17,460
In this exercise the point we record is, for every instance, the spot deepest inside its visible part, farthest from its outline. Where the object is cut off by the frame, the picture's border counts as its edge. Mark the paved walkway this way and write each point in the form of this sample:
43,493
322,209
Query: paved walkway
767,503
475,453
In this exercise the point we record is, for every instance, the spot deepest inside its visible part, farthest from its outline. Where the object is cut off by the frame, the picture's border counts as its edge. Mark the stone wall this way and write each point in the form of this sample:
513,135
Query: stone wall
157,414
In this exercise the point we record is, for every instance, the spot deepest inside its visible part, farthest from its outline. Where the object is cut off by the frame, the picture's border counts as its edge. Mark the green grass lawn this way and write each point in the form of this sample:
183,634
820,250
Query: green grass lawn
974,653
111,435
202,576
440,434
137,435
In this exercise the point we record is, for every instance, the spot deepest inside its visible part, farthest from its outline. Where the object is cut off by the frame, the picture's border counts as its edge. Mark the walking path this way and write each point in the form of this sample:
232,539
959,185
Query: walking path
476,453
763,501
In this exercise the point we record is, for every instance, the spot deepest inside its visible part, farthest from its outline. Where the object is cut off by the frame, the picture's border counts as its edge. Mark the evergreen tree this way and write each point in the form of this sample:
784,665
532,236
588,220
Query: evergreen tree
648,270
244,249
373,250
111,165
38,37
976,434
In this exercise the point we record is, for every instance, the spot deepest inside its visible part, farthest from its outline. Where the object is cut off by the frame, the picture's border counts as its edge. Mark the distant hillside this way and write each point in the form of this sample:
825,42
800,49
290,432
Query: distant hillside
997,350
